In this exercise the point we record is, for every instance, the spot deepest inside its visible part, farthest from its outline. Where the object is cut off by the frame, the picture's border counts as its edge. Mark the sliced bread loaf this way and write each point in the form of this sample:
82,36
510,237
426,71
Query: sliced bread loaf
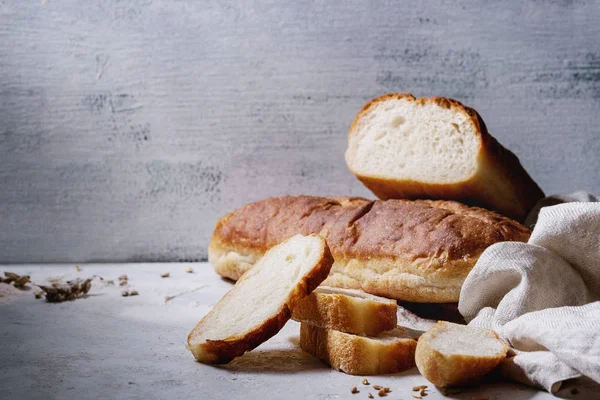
347,310
404,147
450,354
260,302
387,353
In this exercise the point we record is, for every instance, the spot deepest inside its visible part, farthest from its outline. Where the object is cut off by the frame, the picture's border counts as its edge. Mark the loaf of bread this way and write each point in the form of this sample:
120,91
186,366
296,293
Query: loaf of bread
407,148
450,354
418,251
387,353
259,304
347,310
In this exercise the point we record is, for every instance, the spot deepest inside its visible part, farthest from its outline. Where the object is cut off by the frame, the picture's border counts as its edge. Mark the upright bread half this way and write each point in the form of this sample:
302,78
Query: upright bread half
347,310
449,354
260,302
404,147
387,353
418,251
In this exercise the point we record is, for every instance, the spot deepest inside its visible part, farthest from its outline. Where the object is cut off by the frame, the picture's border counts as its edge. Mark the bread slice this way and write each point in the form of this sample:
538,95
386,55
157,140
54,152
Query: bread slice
260,302
450,354
347,310
411,250
387,353
403,147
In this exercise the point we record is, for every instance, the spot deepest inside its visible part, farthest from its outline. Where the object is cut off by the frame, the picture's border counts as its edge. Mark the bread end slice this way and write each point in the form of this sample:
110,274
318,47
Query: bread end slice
347,310
259,304
387,353
450,354
400,146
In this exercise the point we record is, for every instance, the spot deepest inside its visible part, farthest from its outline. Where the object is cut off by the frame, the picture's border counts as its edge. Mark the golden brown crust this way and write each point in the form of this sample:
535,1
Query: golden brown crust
443,369
407,250
223,351
347,310
500,183
358,355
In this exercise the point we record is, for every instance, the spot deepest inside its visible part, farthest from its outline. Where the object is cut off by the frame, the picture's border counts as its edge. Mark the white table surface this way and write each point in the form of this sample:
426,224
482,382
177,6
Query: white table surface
109,346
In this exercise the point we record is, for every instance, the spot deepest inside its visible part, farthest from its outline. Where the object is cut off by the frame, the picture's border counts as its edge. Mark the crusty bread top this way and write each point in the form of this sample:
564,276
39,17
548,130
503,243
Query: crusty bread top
362,229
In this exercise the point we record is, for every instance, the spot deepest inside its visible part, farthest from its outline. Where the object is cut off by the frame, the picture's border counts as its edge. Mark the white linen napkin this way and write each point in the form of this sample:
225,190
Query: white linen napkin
542,297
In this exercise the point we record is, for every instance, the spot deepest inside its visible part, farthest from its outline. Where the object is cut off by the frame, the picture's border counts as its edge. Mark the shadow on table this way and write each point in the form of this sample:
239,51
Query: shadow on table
579,388
273,361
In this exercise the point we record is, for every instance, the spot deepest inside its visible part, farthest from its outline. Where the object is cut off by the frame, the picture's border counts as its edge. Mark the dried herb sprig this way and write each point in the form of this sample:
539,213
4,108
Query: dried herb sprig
71,290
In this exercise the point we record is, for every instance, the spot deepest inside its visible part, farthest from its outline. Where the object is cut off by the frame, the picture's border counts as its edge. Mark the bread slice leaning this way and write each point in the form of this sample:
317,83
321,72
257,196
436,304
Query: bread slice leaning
387,353
260,302
404,147
450,354
347,310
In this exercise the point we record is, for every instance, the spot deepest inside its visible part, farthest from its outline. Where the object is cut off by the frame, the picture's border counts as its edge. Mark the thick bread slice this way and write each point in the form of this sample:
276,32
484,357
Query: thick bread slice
404,147
347,310
387,353
449,354
260,302
419,251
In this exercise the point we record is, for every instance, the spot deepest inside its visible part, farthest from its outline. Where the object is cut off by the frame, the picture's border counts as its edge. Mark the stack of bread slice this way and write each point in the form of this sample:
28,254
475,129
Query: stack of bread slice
350,330
354,332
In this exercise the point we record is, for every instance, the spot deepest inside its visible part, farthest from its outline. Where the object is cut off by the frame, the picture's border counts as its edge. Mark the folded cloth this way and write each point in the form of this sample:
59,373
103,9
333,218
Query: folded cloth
543,297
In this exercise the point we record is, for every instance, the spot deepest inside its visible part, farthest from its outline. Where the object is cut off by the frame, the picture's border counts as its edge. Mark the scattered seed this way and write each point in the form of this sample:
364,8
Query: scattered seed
124,293
20,283
574,391
188,269
377,387
354,390
78,268
364,381
165,275
370,396
418,388
123,277
381,393
38,295
110,282
422,392
10,277
417,396
133,293
387,389
122,283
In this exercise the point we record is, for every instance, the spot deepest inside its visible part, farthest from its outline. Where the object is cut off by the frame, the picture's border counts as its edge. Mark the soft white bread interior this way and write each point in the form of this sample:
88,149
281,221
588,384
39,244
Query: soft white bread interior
450,354
260,302
387,353
403,147
347,310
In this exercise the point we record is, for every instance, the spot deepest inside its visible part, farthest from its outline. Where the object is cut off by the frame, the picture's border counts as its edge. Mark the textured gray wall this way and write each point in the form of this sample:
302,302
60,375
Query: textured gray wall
128,127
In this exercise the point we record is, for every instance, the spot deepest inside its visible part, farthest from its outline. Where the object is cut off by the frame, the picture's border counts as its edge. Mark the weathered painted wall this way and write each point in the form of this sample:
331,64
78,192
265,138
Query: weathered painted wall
128,127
